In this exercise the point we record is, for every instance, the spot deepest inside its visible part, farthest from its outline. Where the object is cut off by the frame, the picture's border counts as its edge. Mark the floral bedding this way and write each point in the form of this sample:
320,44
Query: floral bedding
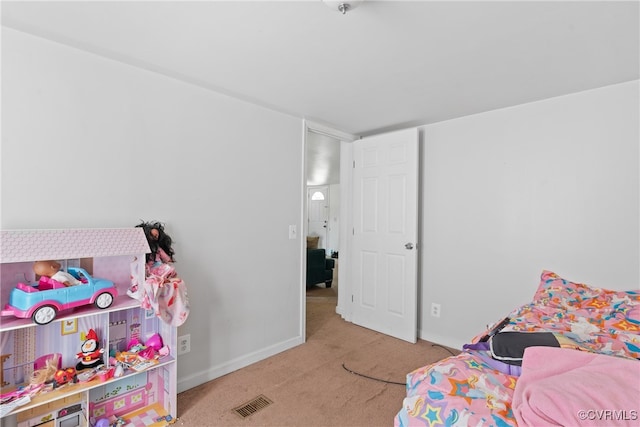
471,389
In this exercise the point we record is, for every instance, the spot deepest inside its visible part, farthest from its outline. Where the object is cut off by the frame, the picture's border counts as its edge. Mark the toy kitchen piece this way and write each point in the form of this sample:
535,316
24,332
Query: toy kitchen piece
59,365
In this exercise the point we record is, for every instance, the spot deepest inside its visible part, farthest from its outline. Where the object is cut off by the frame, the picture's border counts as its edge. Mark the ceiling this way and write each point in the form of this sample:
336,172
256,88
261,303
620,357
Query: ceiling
382,66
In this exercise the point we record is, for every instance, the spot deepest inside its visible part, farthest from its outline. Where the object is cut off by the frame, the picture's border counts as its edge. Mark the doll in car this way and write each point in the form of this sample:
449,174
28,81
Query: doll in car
53,270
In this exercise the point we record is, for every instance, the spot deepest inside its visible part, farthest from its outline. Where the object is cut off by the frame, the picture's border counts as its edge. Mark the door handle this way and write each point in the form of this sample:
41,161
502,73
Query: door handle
409,246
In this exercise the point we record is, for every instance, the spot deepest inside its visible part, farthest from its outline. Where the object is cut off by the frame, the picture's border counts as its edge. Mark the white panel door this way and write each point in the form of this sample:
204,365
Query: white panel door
318,214
385,204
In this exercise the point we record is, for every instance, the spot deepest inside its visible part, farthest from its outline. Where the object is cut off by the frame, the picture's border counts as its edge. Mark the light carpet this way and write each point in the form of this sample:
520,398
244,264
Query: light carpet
308,384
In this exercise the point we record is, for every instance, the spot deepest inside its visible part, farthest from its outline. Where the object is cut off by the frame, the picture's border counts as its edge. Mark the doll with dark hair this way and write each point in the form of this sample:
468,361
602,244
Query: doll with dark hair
162,291
159,243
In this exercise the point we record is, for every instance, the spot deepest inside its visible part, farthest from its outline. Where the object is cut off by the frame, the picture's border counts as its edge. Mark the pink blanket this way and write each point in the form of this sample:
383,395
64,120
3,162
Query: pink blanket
565,387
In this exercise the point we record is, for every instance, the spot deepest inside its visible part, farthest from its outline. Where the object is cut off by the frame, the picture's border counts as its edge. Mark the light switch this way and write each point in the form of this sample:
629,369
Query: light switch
293,232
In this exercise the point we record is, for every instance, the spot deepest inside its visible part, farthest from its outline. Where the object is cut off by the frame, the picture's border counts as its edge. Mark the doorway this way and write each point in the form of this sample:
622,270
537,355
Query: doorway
323,189
328,157
350,286
322,157
322,213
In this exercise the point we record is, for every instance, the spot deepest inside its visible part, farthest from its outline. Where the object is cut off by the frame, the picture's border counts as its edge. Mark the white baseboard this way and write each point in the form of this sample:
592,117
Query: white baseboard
438,339
214,372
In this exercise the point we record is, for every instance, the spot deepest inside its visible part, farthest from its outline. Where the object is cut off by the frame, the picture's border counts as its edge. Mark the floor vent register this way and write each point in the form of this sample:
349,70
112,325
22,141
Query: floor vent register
252,406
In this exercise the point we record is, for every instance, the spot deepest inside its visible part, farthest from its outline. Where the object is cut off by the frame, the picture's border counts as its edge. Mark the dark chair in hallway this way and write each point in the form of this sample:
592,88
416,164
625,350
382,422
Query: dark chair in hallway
319,268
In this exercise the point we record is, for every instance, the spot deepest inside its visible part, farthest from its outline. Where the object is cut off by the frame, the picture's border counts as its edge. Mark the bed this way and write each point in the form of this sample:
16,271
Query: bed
591,377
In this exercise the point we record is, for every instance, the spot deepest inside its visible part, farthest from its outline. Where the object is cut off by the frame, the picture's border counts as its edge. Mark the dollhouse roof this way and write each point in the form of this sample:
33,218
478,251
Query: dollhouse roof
34,245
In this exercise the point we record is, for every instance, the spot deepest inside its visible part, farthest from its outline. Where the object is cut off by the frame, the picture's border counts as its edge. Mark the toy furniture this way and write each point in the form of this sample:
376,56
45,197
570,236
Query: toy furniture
41,361
319,268
112,254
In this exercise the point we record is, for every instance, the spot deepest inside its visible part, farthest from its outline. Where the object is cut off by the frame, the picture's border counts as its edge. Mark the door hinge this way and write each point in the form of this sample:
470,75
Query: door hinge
351,297
354,164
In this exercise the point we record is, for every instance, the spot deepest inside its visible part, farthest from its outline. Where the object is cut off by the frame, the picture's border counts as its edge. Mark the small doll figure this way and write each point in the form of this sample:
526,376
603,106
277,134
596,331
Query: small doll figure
162,291
90,355
53,270
161,254
159,243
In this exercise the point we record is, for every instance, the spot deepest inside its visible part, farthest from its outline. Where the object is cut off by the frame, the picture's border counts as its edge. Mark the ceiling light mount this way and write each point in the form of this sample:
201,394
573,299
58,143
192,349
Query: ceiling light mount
342,6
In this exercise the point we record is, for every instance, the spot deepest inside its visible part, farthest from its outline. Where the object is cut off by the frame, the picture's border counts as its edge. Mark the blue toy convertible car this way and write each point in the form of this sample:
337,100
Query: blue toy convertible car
43,301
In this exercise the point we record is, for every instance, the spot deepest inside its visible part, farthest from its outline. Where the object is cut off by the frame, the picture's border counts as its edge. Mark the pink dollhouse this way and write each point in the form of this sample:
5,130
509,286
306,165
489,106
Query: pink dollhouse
144,398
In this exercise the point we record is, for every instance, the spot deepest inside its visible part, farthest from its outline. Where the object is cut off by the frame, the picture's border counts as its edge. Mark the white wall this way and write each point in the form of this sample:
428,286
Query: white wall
548,185
89,142
334,218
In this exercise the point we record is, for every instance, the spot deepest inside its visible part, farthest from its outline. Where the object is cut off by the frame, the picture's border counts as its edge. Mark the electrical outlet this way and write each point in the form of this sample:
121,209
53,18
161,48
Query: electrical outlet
184,344
435,309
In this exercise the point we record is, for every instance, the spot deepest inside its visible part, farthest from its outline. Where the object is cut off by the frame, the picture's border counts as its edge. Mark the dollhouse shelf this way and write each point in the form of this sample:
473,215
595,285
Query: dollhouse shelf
71,389
114,254
121,302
